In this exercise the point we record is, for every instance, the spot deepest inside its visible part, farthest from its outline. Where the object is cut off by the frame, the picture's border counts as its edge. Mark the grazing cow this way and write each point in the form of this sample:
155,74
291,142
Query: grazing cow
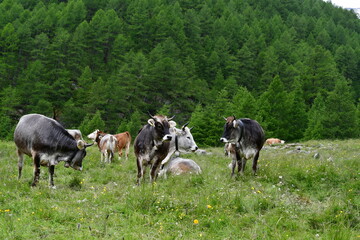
75,133
151,145
179,166
181,141
247,137
271,141
123,141
48,143
107,144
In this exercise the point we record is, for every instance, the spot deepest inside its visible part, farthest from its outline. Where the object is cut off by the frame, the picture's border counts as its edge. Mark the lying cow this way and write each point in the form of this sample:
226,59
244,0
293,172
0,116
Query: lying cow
182,141
271,141
123,141
107,144
247,137
75,133
151,145
47,143
177,166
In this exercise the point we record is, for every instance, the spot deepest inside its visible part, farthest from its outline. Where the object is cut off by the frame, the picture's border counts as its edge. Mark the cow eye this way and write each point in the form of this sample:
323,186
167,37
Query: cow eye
189,138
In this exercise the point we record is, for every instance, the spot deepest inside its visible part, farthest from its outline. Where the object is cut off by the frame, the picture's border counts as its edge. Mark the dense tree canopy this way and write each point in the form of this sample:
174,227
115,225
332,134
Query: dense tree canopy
291,65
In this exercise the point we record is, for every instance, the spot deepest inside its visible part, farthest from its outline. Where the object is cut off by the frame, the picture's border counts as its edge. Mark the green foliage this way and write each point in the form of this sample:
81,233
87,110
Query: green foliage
77,57
90,123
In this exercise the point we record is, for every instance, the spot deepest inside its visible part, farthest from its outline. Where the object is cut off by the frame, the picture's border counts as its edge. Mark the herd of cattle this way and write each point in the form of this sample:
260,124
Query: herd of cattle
156,146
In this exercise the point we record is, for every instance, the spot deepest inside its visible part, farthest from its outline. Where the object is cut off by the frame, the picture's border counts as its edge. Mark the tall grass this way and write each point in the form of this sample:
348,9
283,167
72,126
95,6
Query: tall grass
294,196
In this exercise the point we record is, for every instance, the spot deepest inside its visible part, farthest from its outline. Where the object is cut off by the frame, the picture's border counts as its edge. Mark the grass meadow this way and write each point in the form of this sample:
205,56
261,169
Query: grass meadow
294,196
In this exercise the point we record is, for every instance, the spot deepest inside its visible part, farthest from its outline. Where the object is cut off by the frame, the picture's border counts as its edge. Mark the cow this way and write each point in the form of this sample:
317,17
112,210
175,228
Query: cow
247,137
47,143
179,166
181,141
271,141
151,145
107,144
123,141
75,133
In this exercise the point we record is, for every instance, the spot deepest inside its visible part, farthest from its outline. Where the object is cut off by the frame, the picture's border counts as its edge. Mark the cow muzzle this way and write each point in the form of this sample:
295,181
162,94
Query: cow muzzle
224,140
193,149
167,138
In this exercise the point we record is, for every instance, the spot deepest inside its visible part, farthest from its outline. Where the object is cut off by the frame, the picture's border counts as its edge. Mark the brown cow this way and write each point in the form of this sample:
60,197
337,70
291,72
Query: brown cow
123,142
272,141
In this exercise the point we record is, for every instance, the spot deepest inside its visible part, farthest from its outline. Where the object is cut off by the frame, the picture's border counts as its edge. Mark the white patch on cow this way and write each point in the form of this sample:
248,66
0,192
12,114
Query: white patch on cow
52,160
93,135
224,140
248,153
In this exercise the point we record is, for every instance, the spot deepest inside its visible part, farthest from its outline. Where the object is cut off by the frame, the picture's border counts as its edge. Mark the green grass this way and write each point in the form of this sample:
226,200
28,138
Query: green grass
294,196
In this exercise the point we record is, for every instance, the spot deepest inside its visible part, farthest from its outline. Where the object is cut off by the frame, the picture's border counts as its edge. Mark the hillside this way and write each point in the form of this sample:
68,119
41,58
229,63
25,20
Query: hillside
284,63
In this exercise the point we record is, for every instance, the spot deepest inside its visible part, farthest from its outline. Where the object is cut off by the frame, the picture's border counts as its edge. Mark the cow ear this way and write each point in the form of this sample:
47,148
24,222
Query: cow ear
151,122
172,124
235,124
81,144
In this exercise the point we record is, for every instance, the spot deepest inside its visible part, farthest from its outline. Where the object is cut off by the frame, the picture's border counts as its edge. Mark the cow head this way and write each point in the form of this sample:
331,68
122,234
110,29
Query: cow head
185,139
76,161
93,135
232,130
161,125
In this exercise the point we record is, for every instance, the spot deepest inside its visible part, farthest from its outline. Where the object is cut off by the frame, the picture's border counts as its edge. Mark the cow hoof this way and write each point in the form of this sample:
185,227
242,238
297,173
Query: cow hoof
66,165
52,187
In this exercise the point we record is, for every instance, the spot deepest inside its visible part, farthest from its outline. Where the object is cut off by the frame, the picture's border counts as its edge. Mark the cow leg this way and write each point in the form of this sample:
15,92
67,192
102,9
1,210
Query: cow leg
102,157
254,167
141,169
154,170
20,162
51,175
106,156
127,150
36,170
242,168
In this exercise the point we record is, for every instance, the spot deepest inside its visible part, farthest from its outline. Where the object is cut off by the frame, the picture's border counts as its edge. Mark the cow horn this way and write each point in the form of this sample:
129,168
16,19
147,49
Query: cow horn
183,127
191,128
225,118
150,115
234,117
88,144
171,118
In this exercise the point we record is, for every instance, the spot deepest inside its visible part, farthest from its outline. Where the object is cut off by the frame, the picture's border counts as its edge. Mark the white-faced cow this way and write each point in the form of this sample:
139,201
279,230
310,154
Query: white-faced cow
107,144
48,143
182,141
151,145
75,133
247,138
177,166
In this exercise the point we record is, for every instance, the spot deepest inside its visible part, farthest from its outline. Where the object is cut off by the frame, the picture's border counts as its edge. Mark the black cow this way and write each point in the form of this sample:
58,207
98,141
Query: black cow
247,138
47,143
151,145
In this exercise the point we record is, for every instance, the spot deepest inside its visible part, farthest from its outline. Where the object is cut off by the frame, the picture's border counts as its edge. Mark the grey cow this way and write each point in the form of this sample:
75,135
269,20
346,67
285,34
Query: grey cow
47,143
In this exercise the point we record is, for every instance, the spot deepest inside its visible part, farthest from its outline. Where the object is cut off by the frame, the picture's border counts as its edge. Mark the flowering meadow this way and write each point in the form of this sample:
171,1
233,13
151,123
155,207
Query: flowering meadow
308,190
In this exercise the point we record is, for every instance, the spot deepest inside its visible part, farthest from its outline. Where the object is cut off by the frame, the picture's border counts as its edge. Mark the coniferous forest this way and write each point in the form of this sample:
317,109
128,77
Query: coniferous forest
291,65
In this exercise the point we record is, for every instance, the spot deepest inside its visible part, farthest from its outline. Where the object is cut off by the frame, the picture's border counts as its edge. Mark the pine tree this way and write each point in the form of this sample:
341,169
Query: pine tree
316,114
340,118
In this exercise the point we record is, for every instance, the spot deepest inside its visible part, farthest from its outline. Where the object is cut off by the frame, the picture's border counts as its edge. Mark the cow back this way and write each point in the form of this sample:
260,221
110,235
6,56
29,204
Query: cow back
253,134
39,133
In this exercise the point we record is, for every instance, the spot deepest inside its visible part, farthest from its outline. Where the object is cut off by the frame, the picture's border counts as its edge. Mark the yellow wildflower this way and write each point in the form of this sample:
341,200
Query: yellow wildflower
208,206
196,221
